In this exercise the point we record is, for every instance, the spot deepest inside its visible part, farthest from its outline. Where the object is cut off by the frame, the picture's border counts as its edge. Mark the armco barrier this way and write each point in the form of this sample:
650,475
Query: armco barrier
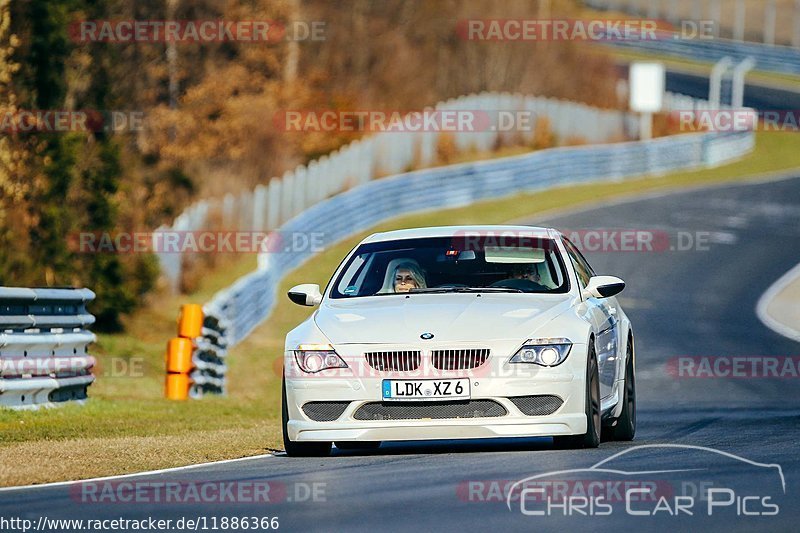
768,57
43,346
239,308
269,206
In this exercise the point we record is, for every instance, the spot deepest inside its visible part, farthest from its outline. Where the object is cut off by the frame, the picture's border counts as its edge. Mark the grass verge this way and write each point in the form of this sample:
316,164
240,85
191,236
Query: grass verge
128,427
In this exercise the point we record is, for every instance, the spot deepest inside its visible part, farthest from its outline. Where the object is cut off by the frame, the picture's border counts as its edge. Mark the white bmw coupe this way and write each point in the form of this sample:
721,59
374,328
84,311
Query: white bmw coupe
460,333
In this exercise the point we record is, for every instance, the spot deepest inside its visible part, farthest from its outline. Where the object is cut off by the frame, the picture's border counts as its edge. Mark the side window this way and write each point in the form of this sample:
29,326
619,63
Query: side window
582,267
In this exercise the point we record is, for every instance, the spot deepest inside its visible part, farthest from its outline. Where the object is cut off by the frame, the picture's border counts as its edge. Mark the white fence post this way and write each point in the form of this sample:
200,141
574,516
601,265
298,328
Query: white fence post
287,196
654,9
740,17
715,81
739,73
796,25
274,204
299,196
260,208
228,211
245,208
672,11
770,15
715,14
697,11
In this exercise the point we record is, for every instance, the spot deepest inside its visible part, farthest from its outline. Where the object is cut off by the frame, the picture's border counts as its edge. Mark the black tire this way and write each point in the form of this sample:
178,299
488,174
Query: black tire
299,449
590,439
358,445
625,428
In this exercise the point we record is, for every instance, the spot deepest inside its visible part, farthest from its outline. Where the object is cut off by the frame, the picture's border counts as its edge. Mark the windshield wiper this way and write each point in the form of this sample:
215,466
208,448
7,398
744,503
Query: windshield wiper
463,289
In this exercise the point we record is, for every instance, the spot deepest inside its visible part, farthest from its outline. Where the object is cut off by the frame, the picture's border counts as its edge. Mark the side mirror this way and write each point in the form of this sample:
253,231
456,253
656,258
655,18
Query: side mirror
305,294
603,287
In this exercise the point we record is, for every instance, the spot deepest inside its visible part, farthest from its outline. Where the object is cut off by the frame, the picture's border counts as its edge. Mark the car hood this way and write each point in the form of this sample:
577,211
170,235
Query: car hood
450,317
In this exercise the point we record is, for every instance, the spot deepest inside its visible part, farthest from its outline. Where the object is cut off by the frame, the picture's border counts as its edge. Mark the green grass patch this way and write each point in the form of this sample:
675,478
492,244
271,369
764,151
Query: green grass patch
128,426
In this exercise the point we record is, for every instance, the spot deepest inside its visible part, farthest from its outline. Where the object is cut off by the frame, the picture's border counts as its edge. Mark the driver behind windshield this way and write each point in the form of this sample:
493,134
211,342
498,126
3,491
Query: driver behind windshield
408,276
526,271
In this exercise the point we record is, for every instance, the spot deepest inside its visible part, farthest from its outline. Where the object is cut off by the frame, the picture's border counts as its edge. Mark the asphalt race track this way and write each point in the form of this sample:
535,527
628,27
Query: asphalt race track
757,96
684,303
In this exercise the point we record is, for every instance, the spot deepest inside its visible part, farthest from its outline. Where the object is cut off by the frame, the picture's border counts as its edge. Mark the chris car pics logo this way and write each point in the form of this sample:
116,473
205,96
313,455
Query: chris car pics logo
685,481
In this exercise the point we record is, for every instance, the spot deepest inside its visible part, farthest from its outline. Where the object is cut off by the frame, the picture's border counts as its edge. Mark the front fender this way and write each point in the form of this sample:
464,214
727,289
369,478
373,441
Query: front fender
568,324
306,332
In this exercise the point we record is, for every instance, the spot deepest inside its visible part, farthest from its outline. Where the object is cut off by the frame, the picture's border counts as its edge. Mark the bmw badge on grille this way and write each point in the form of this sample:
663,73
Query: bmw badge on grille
426,336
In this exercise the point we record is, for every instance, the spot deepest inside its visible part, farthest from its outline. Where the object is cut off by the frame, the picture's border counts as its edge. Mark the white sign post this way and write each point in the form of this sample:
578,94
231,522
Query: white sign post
647,85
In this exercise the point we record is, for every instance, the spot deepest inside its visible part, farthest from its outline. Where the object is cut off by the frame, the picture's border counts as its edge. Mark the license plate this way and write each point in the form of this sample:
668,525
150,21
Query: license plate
426,389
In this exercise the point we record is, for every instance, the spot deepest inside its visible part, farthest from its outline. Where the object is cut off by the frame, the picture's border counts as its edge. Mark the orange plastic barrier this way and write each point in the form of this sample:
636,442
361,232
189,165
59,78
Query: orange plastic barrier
177,387
190,322
179,356
180,350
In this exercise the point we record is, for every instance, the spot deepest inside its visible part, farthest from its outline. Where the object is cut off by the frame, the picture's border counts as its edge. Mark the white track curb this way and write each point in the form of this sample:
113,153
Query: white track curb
766,299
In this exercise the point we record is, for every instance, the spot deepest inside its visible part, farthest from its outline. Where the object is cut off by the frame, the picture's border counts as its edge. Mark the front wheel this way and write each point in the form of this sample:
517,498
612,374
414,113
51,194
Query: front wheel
299,449
590,439
625,428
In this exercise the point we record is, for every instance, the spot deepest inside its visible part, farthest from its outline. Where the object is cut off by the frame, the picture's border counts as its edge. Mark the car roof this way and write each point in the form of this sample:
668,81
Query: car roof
456,231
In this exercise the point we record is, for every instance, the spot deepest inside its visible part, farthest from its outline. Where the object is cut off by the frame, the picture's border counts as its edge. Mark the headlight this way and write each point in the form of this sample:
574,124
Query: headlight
543,352
313,358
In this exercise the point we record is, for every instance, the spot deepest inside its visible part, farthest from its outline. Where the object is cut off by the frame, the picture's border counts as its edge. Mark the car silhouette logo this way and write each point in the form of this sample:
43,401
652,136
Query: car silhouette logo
426,336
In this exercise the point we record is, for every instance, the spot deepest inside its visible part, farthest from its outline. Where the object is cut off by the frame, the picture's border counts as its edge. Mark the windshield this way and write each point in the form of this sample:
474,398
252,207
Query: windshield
448,264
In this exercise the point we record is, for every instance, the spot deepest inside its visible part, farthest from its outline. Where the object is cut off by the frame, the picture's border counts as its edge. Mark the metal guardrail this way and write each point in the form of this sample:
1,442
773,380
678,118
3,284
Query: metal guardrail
43,346
711,49
241,307
268,206
210,369
767,57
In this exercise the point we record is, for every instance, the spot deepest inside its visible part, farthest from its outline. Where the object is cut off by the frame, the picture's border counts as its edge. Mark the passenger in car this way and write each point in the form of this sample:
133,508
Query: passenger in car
408,276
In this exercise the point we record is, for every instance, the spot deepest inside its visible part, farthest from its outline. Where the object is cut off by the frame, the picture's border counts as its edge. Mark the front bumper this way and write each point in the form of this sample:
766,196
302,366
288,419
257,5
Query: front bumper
498,382
402,430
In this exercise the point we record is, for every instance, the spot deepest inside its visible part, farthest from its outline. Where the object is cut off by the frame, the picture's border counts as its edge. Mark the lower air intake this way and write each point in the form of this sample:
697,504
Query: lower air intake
420,410
537,405
324,411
